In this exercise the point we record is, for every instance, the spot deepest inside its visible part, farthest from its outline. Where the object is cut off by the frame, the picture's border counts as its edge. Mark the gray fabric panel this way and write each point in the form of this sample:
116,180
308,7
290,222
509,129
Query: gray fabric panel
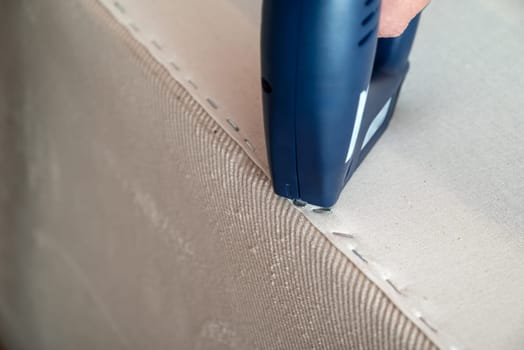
133,221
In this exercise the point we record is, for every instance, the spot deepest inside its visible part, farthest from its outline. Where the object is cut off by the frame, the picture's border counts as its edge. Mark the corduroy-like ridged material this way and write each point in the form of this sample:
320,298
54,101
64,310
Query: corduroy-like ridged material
140,224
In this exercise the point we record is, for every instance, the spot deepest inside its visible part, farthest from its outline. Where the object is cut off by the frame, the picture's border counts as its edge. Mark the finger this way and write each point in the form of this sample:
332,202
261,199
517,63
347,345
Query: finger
396,15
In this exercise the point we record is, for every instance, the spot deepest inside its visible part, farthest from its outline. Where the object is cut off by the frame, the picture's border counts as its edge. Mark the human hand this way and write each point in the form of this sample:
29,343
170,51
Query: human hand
396,15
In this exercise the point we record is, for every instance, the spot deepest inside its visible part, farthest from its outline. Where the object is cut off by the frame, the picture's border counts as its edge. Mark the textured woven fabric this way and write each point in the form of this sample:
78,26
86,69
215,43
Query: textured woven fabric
435,213
135,222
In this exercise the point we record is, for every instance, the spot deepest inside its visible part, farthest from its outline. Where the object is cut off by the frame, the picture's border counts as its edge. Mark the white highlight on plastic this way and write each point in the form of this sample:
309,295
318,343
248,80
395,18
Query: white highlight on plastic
377,123
358,121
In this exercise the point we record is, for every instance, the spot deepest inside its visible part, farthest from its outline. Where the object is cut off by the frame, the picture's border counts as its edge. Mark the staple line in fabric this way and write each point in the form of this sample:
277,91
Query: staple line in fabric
174,65
134,27
249,144
156,45
193,84
358,255
119,7
377,270
387,280
344,235
321,210
423,320
395,288
363,285
233,125
211,102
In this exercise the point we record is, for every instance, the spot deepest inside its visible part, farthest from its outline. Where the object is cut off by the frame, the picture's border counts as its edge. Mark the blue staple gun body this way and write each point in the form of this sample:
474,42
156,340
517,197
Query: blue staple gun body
330,87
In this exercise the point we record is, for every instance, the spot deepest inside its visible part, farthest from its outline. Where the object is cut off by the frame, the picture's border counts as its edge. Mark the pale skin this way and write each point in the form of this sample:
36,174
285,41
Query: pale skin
396,15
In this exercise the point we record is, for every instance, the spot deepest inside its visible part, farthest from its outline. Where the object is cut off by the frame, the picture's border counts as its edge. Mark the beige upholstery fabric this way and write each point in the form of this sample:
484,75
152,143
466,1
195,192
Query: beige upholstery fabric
131,220
435,212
